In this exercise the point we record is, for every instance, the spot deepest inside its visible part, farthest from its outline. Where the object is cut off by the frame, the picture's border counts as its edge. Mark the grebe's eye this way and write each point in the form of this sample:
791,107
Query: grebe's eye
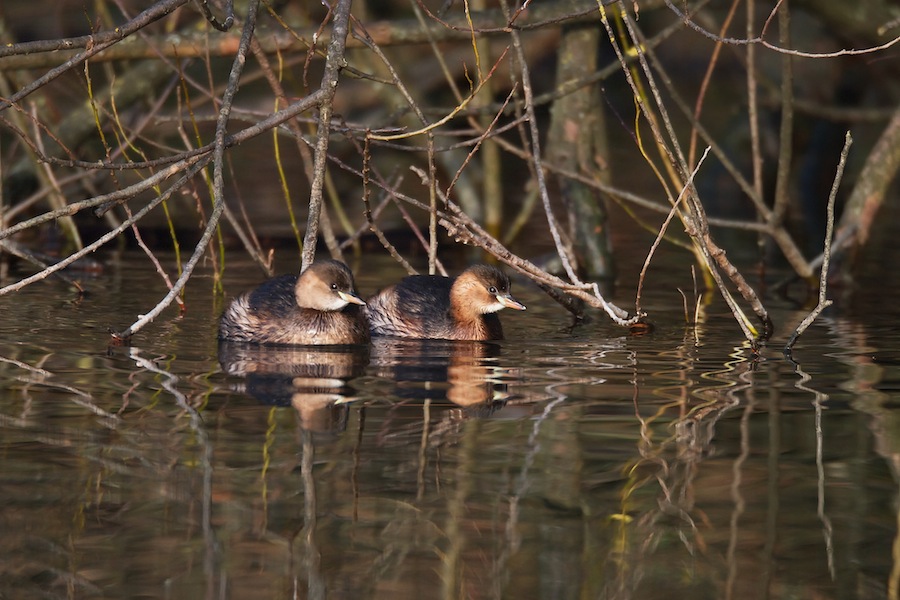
334,286
492,290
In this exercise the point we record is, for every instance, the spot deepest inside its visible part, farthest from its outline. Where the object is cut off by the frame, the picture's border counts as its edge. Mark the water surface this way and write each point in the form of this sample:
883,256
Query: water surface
561,463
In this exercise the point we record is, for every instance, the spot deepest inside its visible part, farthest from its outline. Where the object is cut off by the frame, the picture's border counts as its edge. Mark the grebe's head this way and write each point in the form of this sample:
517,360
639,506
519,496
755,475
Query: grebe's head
326,285
483,289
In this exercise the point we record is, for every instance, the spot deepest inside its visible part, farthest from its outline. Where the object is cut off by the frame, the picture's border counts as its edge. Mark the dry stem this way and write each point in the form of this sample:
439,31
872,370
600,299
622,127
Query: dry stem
826,254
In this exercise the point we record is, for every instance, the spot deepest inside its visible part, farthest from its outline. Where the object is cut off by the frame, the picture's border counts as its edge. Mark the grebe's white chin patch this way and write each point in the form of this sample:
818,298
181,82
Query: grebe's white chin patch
335,302
492,307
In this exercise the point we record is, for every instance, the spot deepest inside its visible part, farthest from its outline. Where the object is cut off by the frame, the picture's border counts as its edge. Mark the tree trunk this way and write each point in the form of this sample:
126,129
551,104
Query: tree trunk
576,139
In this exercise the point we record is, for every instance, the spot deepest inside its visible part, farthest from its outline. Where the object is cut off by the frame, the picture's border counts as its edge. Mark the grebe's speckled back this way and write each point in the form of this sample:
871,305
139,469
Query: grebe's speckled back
320,306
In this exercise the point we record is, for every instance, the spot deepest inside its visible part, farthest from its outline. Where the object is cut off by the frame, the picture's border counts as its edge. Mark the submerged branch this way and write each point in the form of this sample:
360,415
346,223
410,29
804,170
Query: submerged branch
829,229
694,218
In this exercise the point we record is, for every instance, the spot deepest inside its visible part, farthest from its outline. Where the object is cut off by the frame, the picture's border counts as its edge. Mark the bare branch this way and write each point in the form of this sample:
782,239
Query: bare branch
93,46
823,275
207,13
759,40
333,63
218,179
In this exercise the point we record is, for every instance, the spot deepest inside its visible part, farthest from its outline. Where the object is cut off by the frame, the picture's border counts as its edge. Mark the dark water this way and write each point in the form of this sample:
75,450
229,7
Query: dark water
557,464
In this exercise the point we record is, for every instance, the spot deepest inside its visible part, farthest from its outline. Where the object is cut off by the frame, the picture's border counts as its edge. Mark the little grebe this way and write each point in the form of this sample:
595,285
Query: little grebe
318,307
434,307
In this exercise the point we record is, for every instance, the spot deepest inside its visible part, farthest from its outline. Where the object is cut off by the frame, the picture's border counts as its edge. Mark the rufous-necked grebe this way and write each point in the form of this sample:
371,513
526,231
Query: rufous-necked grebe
434,307
320,306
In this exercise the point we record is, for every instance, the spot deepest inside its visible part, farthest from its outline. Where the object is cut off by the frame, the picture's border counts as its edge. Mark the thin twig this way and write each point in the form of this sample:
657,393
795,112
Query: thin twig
156,264
460,226
369,218
94,45
356,235
207,13
234,78
786,133
769,226
535,154
751,40
249,240
662,231
113,197
32,257
707,77
110,235
826,253
273,120
333,63
756,160
695,221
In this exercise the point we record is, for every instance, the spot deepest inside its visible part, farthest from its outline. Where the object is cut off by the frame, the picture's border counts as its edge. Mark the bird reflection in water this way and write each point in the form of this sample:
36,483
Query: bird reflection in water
465,373
312,379
462,377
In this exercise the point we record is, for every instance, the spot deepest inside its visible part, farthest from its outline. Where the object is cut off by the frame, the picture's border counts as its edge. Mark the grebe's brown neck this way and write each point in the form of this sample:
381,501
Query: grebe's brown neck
467,297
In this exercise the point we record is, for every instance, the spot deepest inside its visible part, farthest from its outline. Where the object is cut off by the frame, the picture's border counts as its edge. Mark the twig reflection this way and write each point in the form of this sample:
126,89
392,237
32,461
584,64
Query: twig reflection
169,381
818,401
43,378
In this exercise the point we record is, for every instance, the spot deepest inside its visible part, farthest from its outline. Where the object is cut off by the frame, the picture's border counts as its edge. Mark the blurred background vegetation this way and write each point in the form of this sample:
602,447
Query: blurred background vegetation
555,129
